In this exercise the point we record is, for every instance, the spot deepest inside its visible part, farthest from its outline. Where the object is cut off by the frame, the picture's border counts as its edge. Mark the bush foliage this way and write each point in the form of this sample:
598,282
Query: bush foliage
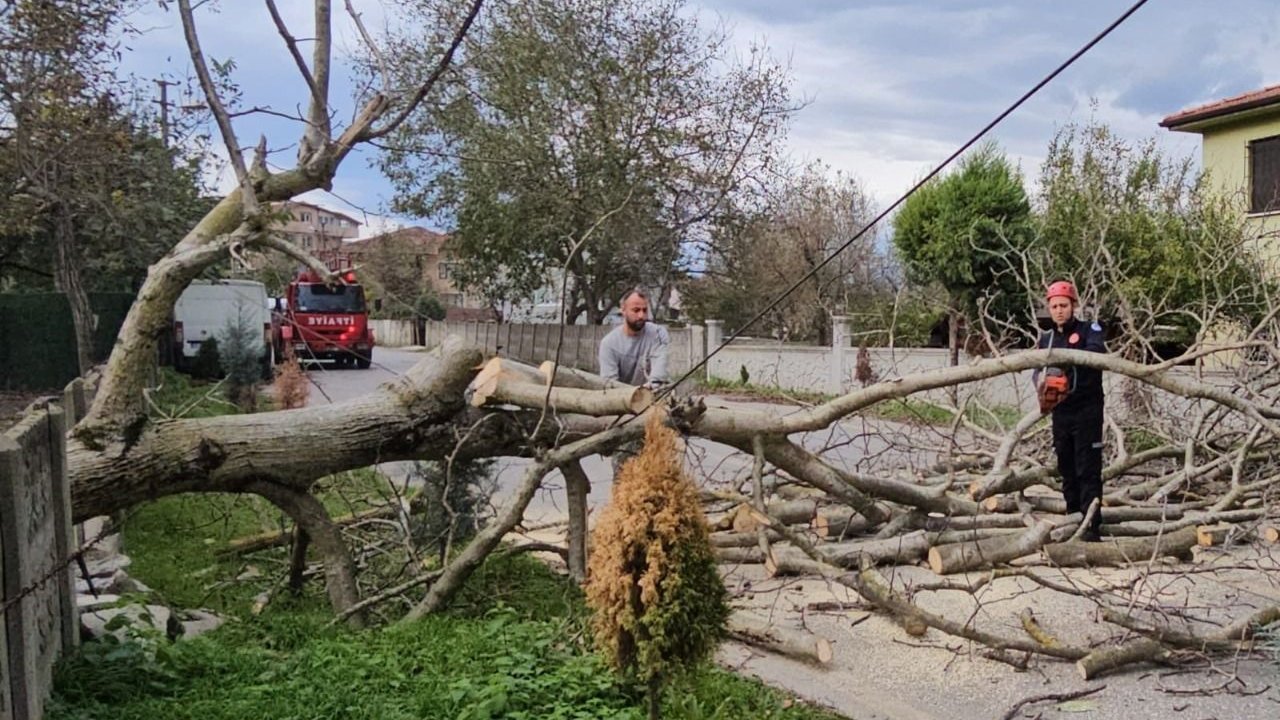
659,602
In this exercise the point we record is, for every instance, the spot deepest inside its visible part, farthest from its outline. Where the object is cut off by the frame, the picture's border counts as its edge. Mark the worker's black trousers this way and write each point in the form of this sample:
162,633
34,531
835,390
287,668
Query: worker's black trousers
1077,439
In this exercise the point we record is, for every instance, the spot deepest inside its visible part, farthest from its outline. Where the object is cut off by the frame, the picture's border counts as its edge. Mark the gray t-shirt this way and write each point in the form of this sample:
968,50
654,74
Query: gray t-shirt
635,359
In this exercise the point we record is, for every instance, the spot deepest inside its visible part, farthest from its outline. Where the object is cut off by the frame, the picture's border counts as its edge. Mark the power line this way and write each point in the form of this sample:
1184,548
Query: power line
920,183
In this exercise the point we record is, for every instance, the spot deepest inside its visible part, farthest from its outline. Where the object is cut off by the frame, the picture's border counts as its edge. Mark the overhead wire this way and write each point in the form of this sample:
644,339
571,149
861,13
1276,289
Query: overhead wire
902,198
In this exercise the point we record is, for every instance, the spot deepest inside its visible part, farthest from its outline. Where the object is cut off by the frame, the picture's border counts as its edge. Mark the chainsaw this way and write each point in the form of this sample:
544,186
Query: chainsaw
1053,389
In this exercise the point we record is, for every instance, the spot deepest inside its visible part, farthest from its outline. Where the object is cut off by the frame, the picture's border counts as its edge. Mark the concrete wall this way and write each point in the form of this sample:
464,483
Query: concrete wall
831,370
392,333
536,343
35,543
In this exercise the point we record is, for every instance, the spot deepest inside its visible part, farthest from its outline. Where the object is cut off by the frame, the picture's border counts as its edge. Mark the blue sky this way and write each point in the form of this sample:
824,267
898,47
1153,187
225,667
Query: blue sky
892,87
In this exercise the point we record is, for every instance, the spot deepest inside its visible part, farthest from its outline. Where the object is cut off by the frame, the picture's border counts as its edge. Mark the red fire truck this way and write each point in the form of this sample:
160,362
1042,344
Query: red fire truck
323,321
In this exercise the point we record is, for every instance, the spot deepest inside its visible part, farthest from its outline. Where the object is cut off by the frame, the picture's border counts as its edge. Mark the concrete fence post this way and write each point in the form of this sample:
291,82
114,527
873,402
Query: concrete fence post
697,347
841,331
715,336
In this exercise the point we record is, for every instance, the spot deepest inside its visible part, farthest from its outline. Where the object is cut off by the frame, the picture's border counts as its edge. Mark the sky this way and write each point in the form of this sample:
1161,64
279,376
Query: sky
890,88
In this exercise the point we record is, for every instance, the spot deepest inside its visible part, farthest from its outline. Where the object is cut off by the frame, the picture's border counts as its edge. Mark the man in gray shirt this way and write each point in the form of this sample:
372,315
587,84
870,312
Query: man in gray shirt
636,351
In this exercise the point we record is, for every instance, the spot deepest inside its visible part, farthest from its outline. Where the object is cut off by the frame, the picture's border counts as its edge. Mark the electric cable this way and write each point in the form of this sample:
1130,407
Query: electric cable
920,183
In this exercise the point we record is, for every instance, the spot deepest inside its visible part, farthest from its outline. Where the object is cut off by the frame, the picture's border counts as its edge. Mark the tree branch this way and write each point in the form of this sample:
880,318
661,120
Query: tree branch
445,61
215,106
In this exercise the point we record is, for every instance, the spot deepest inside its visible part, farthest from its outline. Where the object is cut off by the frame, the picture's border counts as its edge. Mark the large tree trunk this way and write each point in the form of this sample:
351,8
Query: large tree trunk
68,275
413,417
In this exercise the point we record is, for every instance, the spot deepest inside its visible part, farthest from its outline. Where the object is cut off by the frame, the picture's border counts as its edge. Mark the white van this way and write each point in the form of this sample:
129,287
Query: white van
207,307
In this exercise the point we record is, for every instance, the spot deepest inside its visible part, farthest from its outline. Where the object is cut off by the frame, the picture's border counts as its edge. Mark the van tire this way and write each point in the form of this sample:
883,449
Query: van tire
364,361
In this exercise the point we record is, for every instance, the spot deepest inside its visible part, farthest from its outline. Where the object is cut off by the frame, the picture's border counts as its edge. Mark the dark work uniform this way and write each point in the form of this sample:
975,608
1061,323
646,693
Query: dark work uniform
1077,420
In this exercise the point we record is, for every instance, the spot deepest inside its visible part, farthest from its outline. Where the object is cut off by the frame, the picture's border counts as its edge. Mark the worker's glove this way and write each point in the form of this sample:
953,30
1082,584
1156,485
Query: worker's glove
1053,390
657,386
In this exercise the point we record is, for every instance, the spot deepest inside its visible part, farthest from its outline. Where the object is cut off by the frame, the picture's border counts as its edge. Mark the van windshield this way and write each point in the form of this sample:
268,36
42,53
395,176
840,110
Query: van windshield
325,298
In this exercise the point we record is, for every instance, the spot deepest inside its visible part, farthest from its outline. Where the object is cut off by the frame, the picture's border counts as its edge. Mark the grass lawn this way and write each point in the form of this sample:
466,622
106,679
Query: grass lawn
514,644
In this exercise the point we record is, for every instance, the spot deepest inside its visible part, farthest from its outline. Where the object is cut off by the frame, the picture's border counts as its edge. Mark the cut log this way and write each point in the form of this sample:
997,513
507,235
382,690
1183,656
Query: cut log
904,549
568,377
989,552
1017,503
745,539
502,390
510,369
838,522
1210,535
792,642
1271,534
788,512
1122,551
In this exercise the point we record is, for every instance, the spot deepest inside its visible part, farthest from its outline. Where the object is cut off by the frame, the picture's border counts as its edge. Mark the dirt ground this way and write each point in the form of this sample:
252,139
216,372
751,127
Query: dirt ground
880,672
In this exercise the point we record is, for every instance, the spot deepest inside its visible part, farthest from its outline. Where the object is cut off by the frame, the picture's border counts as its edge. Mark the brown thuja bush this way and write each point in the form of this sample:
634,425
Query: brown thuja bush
659,603
290,387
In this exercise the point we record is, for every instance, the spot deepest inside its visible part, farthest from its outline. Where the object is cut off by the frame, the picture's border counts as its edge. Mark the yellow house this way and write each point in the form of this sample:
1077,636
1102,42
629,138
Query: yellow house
1241,152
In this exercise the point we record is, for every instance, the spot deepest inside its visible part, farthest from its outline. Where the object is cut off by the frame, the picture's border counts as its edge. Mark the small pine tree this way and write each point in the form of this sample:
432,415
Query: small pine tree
207,364
466,490
241,358
659,603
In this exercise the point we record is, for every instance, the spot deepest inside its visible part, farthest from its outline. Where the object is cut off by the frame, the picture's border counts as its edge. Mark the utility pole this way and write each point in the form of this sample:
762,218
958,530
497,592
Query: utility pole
163,102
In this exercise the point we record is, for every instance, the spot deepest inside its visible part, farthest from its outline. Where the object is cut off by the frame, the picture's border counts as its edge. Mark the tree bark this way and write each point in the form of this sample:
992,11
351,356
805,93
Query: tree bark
577,485
311,517
418,416
70,280
1122,551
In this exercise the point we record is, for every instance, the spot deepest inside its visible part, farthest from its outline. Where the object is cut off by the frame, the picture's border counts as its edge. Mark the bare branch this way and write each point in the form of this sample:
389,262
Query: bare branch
215,106
292,43
445,61
373,47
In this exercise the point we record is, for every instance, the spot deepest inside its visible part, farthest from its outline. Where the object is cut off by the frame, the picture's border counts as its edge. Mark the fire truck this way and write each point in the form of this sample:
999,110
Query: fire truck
325,321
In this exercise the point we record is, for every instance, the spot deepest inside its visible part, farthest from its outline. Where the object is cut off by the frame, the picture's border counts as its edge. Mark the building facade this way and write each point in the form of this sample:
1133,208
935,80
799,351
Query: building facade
319,231
428,252
1241,154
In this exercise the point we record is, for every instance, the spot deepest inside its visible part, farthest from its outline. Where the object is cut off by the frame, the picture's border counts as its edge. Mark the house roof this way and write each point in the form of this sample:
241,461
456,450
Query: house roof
1192,118
430,241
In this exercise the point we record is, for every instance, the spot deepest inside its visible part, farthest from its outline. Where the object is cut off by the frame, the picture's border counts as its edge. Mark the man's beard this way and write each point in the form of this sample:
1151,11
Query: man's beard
636,325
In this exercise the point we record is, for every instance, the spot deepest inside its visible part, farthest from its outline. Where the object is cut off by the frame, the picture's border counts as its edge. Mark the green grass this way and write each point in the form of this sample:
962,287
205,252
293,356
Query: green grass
764,392
514,644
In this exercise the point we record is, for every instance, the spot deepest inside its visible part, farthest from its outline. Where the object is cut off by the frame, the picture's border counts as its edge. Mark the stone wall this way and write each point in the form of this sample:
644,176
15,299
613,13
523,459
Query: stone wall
36,540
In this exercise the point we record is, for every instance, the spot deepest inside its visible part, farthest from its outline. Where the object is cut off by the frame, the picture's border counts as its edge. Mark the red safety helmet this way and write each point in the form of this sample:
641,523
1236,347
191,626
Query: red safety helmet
1062,288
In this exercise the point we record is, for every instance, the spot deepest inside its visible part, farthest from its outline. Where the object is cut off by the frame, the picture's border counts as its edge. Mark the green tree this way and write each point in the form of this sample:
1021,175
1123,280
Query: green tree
956,231
595,136
1146,239
805,217
91,196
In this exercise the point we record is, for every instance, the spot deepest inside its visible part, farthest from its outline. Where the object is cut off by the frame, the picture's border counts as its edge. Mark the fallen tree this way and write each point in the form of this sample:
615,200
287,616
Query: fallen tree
983,505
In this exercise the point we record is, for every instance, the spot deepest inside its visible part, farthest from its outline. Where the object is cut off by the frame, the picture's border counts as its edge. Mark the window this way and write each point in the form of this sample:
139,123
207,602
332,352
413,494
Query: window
306,217
446,270
452,299
306,243
1264,175
324,219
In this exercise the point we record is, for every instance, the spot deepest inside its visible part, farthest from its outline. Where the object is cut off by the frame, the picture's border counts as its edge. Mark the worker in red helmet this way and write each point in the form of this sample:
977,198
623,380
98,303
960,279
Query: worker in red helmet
1074,396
